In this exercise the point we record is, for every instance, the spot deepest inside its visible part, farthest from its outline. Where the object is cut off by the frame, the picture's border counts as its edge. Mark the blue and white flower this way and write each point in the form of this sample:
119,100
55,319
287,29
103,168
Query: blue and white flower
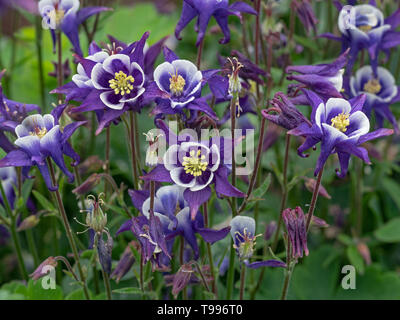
381,91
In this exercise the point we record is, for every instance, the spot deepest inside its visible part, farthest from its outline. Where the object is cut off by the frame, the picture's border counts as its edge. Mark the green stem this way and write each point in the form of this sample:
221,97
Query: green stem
199,54
68,230
284,192
39,53
209,252
14,234
314,199
133,150
231,272
107,284
242,281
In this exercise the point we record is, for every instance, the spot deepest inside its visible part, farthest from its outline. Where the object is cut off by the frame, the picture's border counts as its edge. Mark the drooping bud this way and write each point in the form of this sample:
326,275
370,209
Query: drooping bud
296,229
125,263
44,268
310,185
182,278
87,185
104,250
91,164
28,223
365,253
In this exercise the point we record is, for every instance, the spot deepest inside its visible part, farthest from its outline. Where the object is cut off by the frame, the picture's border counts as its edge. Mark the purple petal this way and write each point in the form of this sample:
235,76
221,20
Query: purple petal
267,263
196,199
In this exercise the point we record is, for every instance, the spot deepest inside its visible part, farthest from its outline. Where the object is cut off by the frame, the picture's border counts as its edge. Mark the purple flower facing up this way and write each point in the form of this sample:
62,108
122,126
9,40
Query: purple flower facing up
204,10
173,212
180,84
381,92
66,16
244,238
38,138
111,82
341,127
195,166
295,223
8,179
326,80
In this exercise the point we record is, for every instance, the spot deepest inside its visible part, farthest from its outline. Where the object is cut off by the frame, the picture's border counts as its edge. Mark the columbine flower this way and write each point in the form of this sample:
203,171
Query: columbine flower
65,15
288,116
364,27
243,234
44,268
11,114
173,212
204,10
195,166
296,229
8,178
326,80
151,152
381,92
112,81
181,83
40,137
341,127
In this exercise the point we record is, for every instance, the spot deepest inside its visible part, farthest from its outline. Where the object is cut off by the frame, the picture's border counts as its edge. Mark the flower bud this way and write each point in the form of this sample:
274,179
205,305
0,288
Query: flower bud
87,185
270,230
296,229
96,218
310,185
125,263
42,270
28,223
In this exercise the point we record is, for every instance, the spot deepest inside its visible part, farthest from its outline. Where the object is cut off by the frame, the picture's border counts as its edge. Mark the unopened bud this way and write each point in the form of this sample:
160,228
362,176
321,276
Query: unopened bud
42,271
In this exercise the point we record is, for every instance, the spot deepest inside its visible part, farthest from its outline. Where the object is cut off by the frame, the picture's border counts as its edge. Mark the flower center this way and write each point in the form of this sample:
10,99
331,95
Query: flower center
194,165
373,86
341,122
247,243
38,132
57,15
176,84
365,27
122,84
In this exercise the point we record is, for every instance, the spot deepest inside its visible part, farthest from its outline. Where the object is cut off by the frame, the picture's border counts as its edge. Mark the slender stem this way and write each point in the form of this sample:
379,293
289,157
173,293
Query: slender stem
256,167
96,279
133,150
257,6
209,252
14,234
107,154
231,273
242,281
231,270
141,272
199,54
359,195
39,53
314,199
68,230
284,192
291,24
106,280
289,270
203,279
181,252
60,76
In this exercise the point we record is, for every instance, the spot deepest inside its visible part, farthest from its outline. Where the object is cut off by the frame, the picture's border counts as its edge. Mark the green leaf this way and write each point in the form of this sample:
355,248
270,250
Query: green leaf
46,204
209,295
355,258
76,295
393,189
128,290
389,232
259,192
35,291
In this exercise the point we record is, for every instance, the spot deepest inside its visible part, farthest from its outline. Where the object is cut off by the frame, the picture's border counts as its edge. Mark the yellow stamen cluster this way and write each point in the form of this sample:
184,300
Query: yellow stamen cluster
341,122
122,84
365,28
176,84
372,86
57,16
39,132
194,165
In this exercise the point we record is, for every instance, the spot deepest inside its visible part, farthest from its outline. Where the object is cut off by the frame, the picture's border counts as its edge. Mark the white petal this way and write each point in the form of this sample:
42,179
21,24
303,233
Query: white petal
175,173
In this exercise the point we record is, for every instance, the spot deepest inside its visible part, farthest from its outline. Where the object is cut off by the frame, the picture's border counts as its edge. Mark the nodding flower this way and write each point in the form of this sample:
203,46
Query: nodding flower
244,238
96,219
